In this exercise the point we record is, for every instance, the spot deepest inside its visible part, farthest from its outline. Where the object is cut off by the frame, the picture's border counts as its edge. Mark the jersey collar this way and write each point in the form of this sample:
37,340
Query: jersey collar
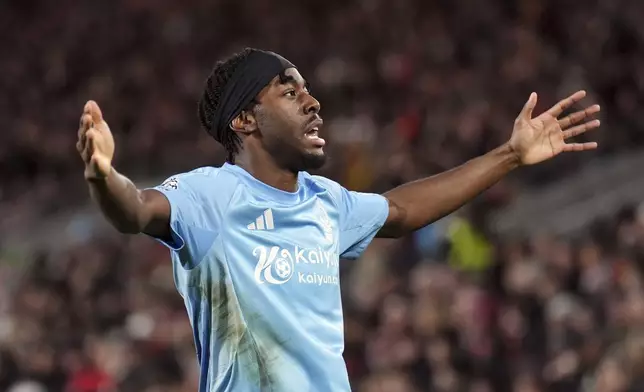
265,190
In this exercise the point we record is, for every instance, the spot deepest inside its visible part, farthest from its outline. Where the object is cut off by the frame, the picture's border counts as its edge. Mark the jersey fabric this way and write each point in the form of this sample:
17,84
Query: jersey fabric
258,269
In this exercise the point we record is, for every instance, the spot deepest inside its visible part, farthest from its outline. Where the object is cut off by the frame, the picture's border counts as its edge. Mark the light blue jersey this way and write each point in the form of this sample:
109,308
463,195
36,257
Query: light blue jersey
258,270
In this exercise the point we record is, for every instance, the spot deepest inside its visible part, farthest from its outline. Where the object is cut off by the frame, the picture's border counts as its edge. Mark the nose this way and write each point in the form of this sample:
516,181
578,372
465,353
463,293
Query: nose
311,105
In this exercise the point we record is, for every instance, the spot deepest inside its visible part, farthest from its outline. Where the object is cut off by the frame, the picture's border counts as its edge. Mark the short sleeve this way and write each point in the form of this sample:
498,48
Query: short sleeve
194,214
361,217
181,197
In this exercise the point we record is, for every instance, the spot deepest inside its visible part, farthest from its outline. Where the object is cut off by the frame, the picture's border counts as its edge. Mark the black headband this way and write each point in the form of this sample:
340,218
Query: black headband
250,77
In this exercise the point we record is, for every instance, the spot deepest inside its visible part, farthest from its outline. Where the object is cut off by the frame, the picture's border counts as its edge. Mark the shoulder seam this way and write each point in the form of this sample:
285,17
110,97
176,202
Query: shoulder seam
225,208
331,193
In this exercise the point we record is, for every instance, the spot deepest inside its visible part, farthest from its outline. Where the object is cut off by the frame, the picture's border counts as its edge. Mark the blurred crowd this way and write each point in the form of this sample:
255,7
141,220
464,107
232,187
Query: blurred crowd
408,88
533,315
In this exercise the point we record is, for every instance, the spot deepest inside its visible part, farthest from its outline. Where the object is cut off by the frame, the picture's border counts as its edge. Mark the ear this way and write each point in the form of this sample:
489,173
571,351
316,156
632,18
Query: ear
244,123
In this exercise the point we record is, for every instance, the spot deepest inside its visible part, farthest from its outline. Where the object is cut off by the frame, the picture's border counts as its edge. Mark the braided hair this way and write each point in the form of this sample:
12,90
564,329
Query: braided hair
210,100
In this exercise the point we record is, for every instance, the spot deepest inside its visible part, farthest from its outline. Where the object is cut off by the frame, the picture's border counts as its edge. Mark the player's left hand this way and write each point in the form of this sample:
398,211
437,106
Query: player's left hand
540,138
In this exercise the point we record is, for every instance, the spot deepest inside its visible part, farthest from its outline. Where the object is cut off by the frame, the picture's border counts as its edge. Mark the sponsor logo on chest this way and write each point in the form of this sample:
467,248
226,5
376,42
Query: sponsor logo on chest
277,265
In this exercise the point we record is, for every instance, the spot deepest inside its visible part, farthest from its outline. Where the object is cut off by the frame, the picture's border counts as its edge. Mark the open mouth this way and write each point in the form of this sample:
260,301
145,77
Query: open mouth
312,134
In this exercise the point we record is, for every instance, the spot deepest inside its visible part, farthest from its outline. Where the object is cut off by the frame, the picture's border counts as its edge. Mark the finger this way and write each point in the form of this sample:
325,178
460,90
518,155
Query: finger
92,109
579,129
88,151
91,135
80,145
578,116
564,104
529,106
575,147
86,123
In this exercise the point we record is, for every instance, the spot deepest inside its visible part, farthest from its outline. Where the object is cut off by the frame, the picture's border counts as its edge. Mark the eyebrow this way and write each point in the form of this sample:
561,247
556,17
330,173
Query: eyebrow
284,79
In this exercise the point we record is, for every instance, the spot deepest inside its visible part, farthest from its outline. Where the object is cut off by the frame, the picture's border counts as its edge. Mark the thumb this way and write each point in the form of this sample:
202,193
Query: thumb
529,106
92,108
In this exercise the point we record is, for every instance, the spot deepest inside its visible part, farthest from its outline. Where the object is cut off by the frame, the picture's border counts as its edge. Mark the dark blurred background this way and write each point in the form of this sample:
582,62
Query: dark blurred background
536,286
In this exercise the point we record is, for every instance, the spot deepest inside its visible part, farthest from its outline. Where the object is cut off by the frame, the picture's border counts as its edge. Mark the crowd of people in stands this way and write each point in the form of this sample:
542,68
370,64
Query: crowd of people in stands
408,89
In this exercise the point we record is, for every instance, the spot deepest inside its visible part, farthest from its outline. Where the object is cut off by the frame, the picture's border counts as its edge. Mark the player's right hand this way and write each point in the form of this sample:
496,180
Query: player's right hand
95,142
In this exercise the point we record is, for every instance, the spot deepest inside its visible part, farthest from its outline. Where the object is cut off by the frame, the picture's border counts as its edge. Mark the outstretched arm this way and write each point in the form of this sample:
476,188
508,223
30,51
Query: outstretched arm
127,208
419,203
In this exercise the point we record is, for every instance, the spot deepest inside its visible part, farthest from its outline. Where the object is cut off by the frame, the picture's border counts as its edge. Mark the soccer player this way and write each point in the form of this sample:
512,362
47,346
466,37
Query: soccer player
256,243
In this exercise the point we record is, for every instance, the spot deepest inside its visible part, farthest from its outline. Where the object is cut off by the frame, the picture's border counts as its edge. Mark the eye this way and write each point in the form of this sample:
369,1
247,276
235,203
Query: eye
290,93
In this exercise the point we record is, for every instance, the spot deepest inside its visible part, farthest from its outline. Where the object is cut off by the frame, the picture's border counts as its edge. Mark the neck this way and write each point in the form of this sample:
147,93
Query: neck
266,170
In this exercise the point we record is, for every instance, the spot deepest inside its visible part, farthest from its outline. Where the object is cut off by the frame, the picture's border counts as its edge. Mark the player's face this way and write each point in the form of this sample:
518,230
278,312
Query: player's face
288,120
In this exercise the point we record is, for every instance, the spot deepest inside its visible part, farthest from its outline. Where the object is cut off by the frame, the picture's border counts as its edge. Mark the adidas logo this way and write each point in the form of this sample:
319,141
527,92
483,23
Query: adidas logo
263,222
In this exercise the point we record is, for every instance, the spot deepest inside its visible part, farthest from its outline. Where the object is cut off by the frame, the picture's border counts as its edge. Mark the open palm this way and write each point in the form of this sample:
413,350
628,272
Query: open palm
543,137
95,142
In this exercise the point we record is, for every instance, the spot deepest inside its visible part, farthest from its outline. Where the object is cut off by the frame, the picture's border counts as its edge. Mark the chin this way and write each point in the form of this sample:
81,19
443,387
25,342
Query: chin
312,160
